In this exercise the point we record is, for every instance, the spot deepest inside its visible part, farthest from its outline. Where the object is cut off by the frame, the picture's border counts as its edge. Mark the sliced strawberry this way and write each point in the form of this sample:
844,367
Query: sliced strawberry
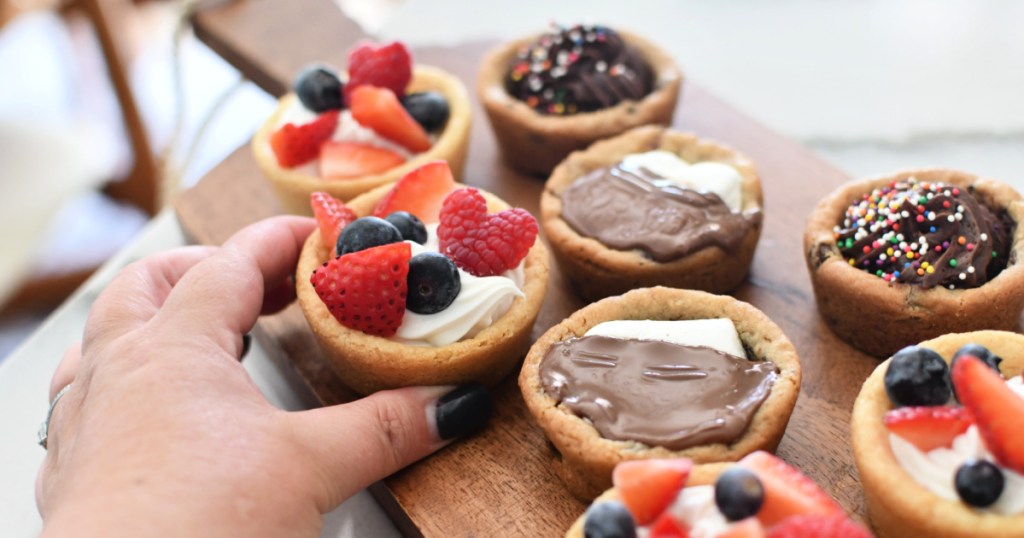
366,290
648,487
787,491
379,109
420,192
483,244
332,215
341,160
928,428
747,528
997,410
298,144
385,66
667,526
818,526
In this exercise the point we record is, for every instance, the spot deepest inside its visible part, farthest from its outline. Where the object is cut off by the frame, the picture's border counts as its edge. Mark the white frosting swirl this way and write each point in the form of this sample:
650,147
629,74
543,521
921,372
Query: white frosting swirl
481,301
705,176
936,469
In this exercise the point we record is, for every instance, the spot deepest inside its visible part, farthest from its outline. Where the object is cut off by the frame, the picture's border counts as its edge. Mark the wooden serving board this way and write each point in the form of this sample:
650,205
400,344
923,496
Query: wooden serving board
499,483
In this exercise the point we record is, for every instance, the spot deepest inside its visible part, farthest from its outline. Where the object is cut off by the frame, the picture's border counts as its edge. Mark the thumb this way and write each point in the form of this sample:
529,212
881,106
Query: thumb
359,443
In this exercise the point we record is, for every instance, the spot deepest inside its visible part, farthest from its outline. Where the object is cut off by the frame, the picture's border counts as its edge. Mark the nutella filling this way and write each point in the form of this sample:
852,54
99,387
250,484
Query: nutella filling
630,208
654,392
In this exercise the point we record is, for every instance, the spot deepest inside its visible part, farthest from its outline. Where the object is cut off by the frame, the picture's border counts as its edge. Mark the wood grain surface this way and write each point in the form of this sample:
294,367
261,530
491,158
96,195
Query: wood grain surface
499,483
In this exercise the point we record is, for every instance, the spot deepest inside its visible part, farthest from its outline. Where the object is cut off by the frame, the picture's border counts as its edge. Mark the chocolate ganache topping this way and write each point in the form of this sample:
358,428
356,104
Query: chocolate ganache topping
626,208
927,234
577,69
654,392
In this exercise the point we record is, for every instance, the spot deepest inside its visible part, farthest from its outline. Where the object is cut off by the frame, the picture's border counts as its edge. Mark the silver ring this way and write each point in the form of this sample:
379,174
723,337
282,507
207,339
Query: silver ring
45,426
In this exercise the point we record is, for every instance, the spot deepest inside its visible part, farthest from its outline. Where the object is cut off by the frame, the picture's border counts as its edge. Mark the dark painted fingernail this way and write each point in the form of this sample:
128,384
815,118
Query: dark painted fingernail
463,411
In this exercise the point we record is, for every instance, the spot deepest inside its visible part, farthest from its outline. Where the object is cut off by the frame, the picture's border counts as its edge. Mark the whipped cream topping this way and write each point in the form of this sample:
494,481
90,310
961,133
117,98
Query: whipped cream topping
481,301
936,469
704,176
695,507
717,334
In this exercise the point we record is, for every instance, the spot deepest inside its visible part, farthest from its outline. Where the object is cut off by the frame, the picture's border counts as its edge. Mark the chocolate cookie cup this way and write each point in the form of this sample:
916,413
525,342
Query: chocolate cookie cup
700,475
598,271
880,318
294,185
897,505
584,460
534,143
369,363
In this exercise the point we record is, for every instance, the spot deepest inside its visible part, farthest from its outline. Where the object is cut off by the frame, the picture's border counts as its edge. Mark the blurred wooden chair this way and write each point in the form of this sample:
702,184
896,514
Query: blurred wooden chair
141,186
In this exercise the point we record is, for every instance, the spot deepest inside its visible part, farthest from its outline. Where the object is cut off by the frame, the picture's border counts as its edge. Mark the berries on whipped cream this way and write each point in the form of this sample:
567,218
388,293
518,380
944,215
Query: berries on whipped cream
581,68
926,234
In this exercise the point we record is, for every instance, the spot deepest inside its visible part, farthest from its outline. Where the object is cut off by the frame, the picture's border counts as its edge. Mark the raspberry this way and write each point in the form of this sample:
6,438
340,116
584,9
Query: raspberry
482,244
332,215
385,66
366,290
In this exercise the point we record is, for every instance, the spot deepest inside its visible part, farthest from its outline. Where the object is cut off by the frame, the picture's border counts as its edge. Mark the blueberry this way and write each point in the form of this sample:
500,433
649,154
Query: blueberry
609,519
738,493
979,483
978,351
429,109
917,376
433,283
319,89
366,232
409,225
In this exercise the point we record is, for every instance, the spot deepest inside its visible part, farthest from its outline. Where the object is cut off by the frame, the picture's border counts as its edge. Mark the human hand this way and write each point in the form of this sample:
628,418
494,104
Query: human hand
163,431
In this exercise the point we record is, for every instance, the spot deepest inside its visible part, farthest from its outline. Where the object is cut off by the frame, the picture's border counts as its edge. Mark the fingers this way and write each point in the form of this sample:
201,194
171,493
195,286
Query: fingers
138,291
223,295
66,369
362,442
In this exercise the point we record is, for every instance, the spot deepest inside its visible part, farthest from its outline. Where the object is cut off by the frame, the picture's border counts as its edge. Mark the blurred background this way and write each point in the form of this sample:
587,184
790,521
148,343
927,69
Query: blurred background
108,107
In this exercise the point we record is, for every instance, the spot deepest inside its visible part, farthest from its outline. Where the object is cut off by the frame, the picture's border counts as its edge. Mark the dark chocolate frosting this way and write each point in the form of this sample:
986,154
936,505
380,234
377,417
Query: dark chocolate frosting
627,208
577,69
657,393
926,234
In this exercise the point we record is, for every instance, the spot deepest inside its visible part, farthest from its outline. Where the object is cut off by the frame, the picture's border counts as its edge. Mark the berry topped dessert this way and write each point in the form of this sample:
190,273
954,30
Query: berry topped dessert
345,134
558,92
658,373
653,207
581,68
936,435
898,259
759,496
422,283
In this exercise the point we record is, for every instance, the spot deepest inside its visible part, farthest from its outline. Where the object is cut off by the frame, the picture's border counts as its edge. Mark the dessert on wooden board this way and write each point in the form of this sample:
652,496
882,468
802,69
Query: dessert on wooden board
658,373
759,496
936,433
551,94
346,134
653,207
901,258
425,282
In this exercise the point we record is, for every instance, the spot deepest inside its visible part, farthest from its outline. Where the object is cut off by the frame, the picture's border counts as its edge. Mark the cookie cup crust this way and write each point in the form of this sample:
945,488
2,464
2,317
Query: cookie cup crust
897,505
700,475
294,185
880,319
534,143
598,271
369,363
584,460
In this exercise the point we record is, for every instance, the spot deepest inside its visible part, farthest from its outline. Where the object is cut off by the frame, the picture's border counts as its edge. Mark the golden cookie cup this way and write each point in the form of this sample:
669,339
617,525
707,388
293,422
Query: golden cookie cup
294,185
584,460
368,363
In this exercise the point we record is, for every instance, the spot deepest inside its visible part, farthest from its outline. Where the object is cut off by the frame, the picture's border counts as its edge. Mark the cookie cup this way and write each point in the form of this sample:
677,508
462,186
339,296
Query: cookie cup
294,185
880,319
700,475
369,363
584,460
597,271
897,505
534,143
